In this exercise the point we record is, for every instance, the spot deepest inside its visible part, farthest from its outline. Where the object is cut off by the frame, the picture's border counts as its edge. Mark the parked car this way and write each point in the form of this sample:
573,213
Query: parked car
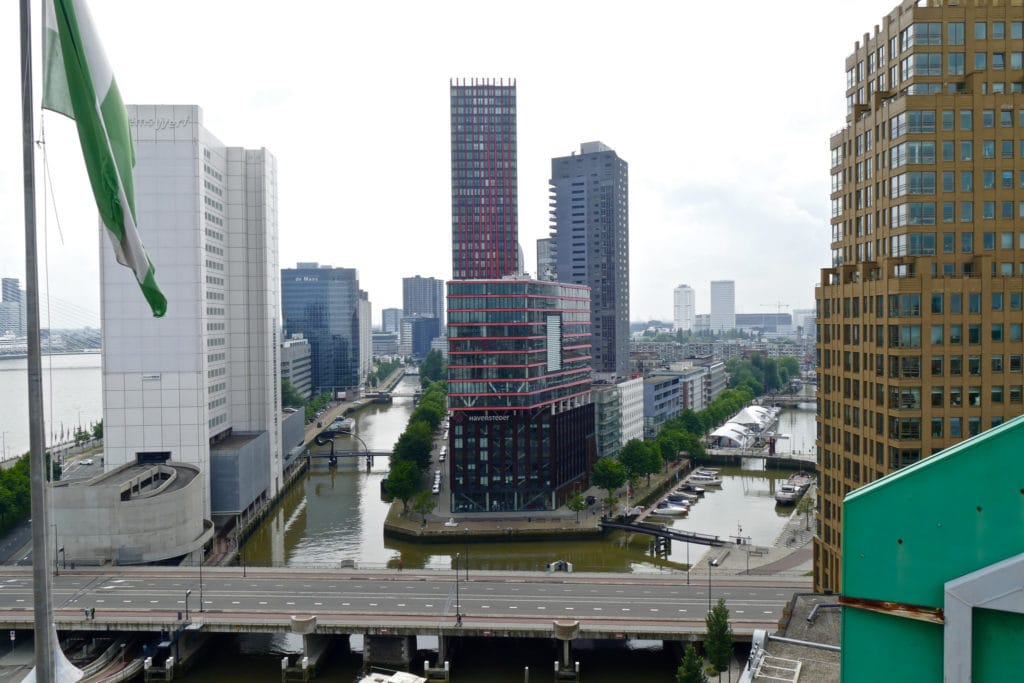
87,461
591,500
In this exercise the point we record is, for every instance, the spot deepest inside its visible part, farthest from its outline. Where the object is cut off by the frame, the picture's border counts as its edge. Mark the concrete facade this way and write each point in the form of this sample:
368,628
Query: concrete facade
132,514
684,308
237,479
208,215
723,305
631,400
297,365
590,244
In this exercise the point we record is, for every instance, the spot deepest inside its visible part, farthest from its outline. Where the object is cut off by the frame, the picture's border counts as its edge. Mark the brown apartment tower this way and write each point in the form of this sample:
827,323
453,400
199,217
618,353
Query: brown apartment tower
919,320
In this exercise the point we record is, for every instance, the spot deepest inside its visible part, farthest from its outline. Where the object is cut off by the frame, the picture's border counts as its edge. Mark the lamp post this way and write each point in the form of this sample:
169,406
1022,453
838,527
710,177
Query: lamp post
56,568
369,458
688,563
188,592
709,586
202,559
466,532
458,614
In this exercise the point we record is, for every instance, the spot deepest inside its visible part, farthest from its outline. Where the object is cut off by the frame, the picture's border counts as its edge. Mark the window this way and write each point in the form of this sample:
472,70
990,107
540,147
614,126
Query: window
955,32
974,366
988,118
955,64
979,30
936,303
956,334
966,150
980,61
948,243
956,368
1015,333
955,427
998,61
998,30
966,181
1015,301
988,149
988,180
1005,118
1016,30
966,119
996,362
997,301
937,362
955,303
974,333
1006,179
966,216
936,335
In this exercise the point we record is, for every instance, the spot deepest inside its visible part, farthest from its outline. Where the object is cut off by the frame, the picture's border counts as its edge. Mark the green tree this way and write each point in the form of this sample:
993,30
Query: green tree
719,638
414,445
424,504
403,481
791,365
633,457
692,668
608,474
433,368
97,430
290,396
577,503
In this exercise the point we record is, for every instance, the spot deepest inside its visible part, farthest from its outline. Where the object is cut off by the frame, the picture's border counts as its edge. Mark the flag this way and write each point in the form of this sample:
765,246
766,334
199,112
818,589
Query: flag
78,82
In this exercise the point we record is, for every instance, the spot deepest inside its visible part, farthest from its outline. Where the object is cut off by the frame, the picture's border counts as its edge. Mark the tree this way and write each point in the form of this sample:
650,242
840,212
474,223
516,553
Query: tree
403,481
433,368
577,503
719,638
424,504
633,457
692,668
414,445
805,507
608,474
97,430
290,396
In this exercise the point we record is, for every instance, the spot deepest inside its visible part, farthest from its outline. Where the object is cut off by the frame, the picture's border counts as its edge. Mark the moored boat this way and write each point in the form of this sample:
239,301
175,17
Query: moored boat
797,484
704,479
384,676
667,508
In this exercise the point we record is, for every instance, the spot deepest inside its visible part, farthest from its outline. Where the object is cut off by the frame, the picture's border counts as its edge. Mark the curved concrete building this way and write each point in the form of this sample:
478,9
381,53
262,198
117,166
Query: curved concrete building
135,514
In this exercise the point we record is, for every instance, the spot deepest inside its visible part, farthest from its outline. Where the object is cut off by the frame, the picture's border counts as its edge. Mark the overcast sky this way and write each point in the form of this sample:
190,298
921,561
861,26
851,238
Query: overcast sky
723,111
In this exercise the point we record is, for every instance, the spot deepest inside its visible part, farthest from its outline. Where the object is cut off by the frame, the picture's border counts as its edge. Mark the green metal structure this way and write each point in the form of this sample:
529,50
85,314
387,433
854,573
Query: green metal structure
933,567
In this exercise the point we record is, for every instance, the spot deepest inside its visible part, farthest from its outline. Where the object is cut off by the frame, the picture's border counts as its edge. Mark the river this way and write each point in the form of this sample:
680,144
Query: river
334,515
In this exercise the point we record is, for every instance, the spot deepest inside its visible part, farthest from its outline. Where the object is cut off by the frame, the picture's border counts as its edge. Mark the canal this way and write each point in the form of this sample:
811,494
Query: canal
336,515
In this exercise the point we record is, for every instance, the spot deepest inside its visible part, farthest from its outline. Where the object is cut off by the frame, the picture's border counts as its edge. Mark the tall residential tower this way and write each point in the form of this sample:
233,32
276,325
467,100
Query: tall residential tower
484,182
590,244
684,308
723,305
919,315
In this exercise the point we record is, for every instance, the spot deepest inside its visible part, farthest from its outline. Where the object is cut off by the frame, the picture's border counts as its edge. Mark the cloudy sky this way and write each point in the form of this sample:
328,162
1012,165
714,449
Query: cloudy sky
723,111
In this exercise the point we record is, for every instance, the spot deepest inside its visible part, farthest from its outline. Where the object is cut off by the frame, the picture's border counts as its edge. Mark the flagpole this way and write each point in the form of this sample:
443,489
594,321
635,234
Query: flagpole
45,647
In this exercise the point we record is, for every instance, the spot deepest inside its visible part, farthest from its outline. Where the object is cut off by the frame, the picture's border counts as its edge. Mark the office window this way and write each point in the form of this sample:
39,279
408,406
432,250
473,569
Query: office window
980,61
996,362
988,149
988,180
966,215
1005,118
967,119
998,30
998,62
966,181
997,301
988,118
979,30
967,150
955,32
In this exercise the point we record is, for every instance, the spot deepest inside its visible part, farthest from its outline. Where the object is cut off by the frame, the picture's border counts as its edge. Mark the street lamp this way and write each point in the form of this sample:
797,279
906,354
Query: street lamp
188,592
56,568
466,532
369,458
709,586
202,559
458,614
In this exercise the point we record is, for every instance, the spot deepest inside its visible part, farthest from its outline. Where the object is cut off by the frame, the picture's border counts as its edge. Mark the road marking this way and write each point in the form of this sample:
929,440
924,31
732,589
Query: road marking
289,603
625,609
153,602
597,609
484,606
682,610
428,605
346,604
263,602
654,609
373,604
767,611
96,601
126,601
319,604
739,611
510,606
22,600
541,607
569,608
401,604
235,602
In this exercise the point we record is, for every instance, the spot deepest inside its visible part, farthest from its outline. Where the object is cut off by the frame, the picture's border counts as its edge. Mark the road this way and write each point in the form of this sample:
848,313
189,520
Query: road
355,600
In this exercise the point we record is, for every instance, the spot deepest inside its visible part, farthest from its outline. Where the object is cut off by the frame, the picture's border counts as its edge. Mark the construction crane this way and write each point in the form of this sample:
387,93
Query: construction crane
778,305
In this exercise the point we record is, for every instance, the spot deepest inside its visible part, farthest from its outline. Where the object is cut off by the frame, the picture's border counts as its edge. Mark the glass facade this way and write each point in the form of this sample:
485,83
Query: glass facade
484,181
522,426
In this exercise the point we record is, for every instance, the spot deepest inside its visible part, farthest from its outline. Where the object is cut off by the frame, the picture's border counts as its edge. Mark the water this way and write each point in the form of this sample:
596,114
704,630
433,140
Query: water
74,398
335,515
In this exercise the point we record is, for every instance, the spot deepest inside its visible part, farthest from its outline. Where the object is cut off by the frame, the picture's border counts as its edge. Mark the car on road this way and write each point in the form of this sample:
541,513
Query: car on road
591,500
87,461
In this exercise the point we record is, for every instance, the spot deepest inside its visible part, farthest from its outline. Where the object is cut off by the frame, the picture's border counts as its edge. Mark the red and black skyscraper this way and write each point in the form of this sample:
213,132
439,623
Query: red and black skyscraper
485,236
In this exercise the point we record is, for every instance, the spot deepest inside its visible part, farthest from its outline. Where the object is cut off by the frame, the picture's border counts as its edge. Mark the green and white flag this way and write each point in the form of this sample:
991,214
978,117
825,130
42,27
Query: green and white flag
78,82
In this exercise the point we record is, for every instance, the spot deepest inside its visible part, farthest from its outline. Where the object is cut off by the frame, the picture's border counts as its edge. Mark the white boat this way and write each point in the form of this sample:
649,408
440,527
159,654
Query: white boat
790,492
343,425
704,479
667,508
383,676
680,496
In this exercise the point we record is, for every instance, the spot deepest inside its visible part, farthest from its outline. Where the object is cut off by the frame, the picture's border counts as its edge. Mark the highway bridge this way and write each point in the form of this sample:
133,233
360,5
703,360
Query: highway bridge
397,603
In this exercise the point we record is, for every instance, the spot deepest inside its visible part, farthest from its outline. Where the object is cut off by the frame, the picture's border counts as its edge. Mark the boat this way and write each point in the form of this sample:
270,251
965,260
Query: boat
680,497
704,479
385,676
790,492
344,425
667,508
688,487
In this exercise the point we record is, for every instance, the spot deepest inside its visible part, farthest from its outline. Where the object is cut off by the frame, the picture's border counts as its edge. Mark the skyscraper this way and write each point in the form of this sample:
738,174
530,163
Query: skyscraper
322,303
423,297
484,182
919,323
390,318
177,387
590,244
546,266
723,305
684,308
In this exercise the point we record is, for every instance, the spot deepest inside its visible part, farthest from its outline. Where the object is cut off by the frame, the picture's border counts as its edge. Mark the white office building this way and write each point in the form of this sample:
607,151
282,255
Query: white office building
631,400
684,308
202,384
723,305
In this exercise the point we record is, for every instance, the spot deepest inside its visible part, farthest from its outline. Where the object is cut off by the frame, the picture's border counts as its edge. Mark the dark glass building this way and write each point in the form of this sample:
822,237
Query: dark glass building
522,425
484,182
322,304
590,244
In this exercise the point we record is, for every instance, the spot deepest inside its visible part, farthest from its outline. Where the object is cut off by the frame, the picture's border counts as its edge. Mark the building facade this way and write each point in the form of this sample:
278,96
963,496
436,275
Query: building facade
423,296
322,304
522,425
390,319
416,335
631,400
546,266
684,308
661,402
607,418
919,315
297,366
484,178
175,387
590,244
723,305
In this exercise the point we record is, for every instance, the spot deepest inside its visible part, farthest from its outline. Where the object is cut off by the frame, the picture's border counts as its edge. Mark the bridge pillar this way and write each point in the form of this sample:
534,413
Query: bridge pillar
566,631
393,652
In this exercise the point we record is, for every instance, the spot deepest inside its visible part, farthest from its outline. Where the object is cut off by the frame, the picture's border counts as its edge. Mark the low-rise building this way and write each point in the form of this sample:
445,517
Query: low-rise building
297,365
